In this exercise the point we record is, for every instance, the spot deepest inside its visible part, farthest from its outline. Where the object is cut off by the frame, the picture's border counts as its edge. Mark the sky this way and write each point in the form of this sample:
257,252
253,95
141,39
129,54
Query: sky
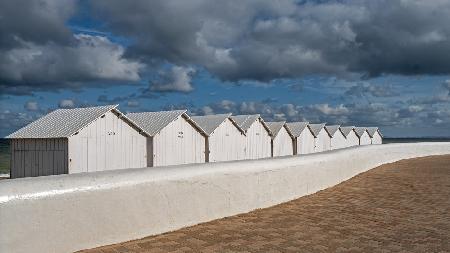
382,63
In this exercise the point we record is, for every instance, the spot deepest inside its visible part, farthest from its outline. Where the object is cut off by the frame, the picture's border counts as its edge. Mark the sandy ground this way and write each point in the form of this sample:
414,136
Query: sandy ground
398,207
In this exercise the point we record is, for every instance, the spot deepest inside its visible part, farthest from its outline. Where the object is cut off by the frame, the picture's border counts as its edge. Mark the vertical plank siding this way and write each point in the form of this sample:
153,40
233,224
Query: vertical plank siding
38,157
282,144
352,139
305,142
322,141
178,143
226,143
377,139
338,141
108,143
365,139
258,142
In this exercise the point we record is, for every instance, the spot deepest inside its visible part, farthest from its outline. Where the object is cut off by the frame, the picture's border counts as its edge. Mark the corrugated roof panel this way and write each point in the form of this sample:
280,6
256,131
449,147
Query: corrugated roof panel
245,121
372,130
153,122
316,128
332,129
297,128
61,123
275,127
209,123
346,130
360,131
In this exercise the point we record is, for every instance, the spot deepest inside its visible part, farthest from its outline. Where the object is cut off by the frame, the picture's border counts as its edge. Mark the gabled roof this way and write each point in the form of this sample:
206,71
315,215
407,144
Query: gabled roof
154,122
296,128
209,123
275,127
63,123
332,130
346,130
373,130
316,128
360,131
246,121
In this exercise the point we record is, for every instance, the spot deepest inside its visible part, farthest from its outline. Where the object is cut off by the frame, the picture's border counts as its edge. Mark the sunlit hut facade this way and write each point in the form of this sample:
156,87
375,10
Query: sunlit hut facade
338,139
225,141
257,135
363,135
282,139
375,135
303,137
77,140
321,137
351,137
173,137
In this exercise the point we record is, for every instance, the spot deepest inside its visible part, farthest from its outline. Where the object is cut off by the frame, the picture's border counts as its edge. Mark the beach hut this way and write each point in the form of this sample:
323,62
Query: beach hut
282,139
363,135
351,137
225,141
338,139
173,137
375,135
303,137
68,141
257,135
322,139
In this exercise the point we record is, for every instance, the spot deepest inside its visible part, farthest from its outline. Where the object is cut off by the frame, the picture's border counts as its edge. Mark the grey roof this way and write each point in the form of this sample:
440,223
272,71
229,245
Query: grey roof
62,123
209,123
346,130
153,122
275,127
316,128
373,130
360,131
296,128
332,129
245,121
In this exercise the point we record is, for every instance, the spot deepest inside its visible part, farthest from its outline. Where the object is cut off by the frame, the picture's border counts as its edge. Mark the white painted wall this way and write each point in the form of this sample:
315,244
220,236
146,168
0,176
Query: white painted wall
377,139
67,213
338,140
282,144
226,143
352,139
38,157
305,142
178,143
108,143
365,139
322,141
258,141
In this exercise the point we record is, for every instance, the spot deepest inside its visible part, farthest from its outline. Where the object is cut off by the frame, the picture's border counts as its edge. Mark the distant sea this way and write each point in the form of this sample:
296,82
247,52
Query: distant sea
5,152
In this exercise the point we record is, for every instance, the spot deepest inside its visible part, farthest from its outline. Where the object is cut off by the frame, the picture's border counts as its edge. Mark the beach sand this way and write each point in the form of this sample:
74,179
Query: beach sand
403,206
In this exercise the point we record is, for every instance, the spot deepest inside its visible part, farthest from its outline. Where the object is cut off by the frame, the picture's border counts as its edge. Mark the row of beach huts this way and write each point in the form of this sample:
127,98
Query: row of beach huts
100,138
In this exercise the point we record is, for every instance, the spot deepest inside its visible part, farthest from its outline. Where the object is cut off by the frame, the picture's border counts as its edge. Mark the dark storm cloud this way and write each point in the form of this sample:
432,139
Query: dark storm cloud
38,52
264,40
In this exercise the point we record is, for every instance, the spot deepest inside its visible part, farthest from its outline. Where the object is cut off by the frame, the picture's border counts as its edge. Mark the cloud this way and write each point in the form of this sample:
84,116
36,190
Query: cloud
66,103
178,79
364,89
31,106
265,40
39,53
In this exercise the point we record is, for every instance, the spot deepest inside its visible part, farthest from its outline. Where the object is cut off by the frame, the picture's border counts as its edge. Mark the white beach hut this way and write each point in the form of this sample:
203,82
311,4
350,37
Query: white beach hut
338,139
351,137
322,139
68,141
173,137
375,135
303,137
282,139
225,141
363,135
257,135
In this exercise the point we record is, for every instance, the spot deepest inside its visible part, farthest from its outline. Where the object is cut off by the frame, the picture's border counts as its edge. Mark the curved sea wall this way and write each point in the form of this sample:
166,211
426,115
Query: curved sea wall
66,213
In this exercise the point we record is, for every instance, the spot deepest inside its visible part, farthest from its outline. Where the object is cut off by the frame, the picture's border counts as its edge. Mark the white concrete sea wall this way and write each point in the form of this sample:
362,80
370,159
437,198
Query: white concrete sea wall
66,213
